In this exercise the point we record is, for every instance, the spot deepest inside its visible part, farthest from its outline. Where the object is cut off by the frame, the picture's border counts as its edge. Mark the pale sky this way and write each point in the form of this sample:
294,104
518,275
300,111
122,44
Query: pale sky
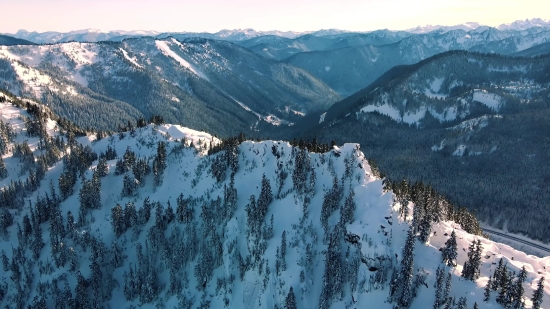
295,15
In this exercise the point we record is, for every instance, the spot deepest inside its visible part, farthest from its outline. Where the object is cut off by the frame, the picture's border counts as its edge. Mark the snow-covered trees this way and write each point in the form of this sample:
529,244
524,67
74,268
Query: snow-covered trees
439,285
538,294
159,164
403,288
487,291
290,301
471,266
449,252
117,220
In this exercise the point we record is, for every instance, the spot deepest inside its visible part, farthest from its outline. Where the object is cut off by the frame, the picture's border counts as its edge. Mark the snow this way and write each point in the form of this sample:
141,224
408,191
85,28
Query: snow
384,109
327,68
491,100
472,124
459,151
133,60
164,47
189,172
434,88
322,117
414,117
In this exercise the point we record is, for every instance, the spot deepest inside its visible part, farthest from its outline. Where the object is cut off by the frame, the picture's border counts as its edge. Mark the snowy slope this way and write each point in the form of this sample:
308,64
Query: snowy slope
229,265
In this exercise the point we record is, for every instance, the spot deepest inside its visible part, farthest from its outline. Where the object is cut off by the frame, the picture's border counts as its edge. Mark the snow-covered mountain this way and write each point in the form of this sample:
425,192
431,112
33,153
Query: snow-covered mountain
525,24
456,120
439,28
85,35
355,66
195,233
203,83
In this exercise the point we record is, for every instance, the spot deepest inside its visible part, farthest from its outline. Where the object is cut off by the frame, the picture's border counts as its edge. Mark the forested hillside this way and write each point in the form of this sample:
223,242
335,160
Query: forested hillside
104,85
474,126
164,216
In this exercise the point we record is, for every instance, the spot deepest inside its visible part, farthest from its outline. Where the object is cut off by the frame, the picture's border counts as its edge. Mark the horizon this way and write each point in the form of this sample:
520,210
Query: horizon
276,30
212,16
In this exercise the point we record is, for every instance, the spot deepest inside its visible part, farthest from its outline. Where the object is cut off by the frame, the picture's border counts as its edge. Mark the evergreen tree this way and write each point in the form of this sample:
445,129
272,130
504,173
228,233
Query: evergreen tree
497,276
462,303
449,253
472,265
407,271
102,168
487,292
129,187
448,286
117,220
538,294
503,296
476,306
282,252
518,289
3,170
290,302
439,281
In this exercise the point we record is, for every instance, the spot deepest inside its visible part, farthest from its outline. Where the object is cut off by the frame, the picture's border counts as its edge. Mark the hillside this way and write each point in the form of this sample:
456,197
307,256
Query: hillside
349,69
9,40
207,85
155,221
469,124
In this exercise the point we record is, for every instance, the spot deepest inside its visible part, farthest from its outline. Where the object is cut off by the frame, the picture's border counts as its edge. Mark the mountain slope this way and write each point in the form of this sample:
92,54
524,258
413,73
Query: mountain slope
201,236
217,80
278,48
349,69
455,120
9,40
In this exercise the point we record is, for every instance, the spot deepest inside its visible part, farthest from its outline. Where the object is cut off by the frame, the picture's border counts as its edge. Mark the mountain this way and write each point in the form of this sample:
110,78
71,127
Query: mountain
278,48
94,35
347,70
469,124
8,41
208,85
525,24
439,28
512,45
85,35
196,234
534,51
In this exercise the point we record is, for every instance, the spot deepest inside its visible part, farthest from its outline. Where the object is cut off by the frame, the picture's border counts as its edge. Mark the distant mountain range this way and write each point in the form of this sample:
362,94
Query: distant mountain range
205,84
237,35
470,124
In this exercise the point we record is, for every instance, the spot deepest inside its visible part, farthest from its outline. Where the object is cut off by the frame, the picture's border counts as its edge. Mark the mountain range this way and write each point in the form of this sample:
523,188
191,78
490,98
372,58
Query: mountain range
227,88
231,87
469,124
163,215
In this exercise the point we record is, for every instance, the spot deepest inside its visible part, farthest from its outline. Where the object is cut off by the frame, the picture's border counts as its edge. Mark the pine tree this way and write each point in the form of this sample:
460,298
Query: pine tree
538,294
476,306
448,286
487,292
518,289
504,290
449,253
440,277
472,265
497,276
290,302
407,271
462,303
102,168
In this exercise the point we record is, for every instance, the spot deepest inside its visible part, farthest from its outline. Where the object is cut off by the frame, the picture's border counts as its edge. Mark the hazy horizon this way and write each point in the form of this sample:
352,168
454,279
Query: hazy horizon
284,15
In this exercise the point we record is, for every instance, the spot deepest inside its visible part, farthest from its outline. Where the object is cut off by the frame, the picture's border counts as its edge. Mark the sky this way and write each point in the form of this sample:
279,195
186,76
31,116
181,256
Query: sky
285,15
